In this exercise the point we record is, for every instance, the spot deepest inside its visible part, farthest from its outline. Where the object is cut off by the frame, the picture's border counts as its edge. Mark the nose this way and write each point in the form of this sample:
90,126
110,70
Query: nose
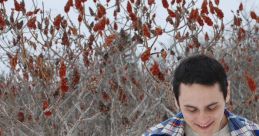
203,118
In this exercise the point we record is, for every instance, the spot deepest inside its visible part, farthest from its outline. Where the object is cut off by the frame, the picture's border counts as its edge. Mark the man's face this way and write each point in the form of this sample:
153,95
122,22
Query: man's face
203,107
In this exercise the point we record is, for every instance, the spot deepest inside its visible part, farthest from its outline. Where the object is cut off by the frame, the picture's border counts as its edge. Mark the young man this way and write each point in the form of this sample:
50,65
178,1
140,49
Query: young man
201,92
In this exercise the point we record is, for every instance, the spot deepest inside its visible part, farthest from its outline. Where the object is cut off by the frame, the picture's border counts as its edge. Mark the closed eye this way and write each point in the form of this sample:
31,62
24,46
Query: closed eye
213,107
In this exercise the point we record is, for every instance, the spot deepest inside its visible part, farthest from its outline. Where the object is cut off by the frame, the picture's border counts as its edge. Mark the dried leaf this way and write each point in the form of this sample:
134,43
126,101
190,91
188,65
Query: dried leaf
150,2
133,17
240,7
194,15
146,55
101,11
155,69
109,39
19,6
129,7
171,13
2,22
253,15
105,96
206,37
158,31
65,40
75,78
207,20
211,8
250,82
146,31
45,105
219,13
48,113
62,70
20,116
32,23
204,9
64,85
165,4
217,2
57,21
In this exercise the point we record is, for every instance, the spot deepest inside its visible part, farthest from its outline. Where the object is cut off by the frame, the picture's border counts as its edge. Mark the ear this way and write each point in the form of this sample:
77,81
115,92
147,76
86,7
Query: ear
228,92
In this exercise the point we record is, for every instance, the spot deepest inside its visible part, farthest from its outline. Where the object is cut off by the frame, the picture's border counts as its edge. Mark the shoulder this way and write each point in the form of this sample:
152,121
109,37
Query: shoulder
240,125
171,126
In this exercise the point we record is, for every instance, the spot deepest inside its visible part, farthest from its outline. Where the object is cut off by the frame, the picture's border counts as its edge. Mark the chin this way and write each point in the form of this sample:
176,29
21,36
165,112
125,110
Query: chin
207,130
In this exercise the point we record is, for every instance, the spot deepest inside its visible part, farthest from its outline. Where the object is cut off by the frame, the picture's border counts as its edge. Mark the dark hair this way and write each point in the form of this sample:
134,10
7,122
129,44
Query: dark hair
199,69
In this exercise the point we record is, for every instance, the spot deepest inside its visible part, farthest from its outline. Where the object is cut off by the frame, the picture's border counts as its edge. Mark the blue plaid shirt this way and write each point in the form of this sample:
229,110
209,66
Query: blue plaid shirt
174,126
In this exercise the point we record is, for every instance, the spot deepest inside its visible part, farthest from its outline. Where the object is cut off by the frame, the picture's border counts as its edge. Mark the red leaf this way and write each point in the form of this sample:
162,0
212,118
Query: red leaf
237,21
101,11
115,26
79,6
146,31
32,23
63,85
178,1
150,2
250,82
171,13
99,26
80,18
158,31
13,61
67,8
207,20
217,2
200,21
62,70
57,21
85,58
225,65
161,76
45,105
133,17
68,5
123,96
75,78
109,39
2,1
47,113
206,37
146,55
20,116
65,40
253,15
129,8
211,8
241,34
155,69
165,4
194,15
2,22
240,6
204,9
105,96
19,6
219,13
30,13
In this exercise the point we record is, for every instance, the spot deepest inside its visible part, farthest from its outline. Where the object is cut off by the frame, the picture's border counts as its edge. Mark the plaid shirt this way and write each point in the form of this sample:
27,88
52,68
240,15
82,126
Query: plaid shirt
174,126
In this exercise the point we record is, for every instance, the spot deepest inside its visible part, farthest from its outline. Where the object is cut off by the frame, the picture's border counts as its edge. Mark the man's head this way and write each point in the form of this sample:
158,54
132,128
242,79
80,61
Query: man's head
201,91
199,69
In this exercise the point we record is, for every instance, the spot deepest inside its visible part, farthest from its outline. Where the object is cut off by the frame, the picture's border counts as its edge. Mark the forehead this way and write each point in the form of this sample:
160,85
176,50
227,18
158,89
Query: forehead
197,94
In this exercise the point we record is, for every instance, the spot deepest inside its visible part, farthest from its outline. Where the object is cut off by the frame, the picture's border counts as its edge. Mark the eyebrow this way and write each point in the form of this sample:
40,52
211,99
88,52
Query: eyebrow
190,106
